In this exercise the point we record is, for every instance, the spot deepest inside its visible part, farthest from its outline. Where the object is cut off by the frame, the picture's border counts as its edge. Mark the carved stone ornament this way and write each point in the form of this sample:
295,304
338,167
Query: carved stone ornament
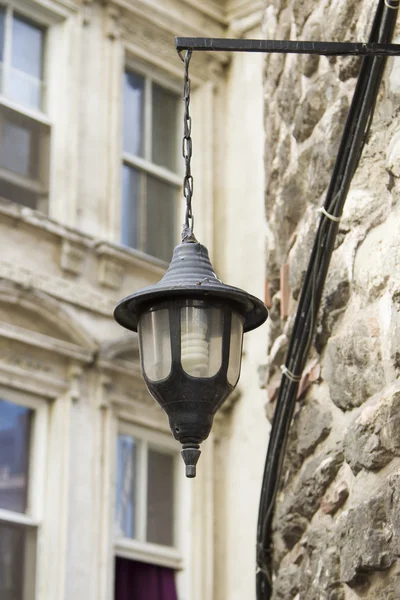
109,273
72,256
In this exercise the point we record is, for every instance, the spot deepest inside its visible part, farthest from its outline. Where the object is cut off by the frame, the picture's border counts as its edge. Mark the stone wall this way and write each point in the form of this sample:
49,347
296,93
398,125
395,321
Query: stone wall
337,521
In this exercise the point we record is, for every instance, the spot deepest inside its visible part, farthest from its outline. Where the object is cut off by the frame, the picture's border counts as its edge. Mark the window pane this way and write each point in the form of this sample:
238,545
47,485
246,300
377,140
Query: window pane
160,498
23,144
162,200
132,184
15,428
164,127
2,23
14,193
126,487
16,148
134,113
25,85
17,562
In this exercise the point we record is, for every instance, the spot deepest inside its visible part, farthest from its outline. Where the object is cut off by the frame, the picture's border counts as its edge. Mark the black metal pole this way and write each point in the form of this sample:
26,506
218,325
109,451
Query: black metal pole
286,47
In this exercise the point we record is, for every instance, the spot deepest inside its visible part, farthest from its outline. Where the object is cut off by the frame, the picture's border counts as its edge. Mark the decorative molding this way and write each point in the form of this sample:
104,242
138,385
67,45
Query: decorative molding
238,9
45,342
114,349
11,354
72,256
238,28
123,367
75,373
32,381
109,273
173,17
103,387
58,288
211,9
51,311
87,9
37,220
149,34
131,257
113,21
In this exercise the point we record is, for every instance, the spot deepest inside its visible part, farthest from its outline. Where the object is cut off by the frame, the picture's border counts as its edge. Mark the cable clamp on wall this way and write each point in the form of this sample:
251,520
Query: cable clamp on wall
289,374
393,6
328,215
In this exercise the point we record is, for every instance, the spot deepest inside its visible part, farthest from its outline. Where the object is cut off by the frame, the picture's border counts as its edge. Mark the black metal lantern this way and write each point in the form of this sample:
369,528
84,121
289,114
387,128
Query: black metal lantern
190,327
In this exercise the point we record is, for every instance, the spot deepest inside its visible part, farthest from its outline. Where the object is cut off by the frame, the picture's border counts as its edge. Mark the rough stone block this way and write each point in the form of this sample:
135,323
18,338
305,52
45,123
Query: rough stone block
335,497
313,425
319,96
352,366
378,258
374,438
320,569
365,538
311,31
325,145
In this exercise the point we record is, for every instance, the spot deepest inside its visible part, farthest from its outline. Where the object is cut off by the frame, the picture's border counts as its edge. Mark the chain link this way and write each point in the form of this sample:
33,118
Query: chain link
187,232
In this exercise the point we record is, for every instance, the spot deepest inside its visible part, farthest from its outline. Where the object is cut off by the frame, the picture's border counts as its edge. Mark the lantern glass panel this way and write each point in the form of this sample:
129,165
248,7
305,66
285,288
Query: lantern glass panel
201,340
235,351
155,344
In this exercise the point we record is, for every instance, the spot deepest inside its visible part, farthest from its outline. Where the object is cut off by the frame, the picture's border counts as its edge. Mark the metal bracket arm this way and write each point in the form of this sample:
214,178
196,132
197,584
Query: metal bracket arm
286,47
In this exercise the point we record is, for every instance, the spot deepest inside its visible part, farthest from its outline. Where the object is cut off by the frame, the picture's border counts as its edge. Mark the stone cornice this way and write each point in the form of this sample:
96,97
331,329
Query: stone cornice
211,9
134,258
172,16
44,342
150,27
238,9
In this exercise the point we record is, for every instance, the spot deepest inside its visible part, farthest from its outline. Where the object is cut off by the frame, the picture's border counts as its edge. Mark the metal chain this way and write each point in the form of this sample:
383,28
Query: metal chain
187,232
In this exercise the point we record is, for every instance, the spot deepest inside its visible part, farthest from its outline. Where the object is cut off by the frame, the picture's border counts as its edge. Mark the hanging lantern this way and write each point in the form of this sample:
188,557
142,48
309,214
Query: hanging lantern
190,328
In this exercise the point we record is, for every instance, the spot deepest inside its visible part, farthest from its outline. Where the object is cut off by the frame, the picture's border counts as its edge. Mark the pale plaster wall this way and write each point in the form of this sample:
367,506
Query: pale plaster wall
239,257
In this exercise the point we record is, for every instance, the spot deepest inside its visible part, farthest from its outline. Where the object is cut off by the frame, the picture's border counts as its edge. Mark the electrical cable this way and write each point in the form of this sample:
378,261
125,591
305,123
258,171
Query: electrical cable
353,139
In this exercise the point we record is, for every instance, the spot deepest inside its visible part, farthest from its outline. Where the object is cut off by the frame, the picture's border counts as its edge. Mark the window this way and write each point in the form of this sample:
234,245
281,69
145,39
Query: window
24,128
21,434
146,512
150,174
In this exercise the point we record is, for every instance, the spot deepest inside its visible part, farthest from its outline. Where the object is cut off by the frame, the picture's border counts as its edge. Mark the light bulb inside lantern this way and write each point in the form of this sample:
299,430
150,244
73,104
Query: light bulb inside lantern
194,347
201,340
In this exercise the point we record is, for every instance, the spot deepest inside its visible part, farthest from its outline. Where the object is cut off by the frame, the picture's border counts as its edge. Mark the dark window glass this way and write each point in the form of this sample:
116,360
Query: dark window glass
2,24
134,89
24,145
126,487
17,194
17,562
132,186
15,427
162,200
164,127
160,498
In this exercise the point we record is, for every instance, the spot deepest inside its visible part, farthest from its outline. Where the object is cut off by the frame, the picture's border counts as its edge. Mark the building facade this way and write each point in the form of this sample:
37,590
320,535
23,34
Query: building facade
92,492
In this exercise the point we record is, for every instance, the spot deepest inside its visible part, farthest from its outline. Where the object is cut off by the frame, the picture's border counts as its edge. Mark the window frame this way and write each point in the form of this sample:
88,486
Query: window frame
139,549
39,186
32,519
144,164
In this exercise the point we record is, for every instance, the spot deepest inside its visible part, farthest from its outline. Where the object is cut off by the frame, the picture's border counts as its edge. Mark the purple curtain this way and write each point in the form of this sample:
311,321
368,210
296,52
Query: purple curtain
139,581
